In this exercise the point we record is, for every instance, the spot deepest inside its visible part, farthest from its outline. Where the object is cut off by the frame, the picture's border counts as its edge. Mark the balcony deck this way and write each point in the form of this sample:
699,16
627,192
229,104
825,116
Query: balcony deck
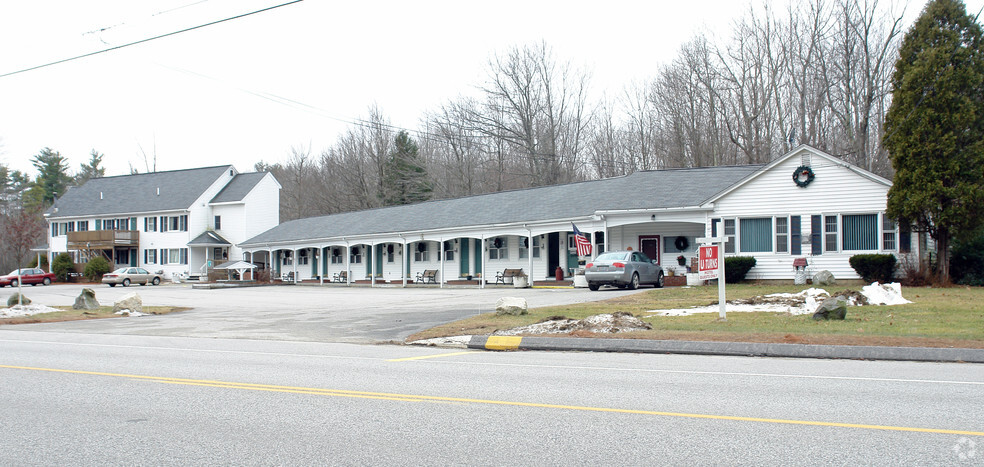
103,239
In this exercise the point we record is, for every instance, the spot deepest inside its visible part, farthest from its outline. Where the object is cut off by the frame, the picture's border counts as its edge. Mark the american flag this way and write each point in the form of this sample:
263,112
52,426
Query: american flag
582,242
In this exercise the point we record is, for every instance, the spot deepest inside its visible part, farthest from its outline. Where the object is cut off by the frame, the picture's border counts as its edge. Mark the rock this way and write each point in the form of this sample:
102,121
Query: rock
13,299
832,308
824,278
86,300
511,306
130,301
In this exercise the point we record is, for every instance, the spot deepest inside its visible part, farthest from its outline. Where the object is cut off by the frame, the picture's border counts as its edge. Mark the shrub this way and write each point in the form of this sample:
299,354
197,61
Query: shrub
736,267
62,265
873,268
34,262
967,261
96,267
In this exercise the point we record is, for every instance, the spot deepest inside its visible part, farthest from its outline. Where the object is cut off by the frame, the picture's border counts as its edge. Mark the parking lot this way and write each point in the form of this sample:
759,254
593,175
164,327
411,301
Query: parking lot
297,313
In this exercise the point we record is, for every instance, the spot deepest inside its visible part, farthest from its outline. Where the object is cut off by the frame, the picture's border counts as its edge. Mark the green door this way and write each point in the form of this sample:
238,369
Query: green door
463,255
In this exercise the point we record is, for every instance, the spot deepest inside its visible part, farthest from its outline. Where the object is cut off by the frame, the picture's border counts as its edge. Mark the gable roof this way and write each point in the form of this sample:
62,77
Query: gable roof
209,238
641,190
126,194
798,152
238,187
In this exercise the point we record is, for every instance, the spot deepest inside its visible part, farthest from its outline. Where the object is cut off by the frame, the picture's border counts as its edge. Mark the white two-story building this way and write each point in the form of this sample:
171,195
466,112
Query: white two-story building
181,222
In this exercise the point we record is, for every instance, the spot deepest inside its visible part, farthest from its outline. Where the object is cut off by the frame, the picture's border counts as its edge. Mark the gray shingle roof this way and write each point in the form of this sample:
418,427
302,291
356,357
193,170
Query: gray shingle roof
239,187
209,238
126,194
640,190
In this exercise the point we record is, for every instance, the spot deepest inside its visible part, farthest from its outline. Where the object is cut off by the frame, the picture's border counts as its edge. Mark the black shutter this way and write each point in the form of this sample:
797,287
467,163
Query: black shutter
816,235
905,239
796,235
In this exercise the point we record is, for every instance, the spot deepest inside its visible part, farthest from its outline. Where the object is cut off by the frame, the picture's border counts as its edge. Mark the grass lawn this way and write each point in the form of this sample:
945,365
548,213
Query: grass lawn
938,317
66,313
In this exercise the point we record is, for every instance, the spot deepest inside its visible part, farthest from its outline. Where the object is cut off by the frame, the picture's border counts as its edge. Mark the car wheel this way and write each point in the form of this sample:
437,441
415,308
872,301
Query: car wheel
13,283
157,281
112,285
46,281
593,287
634,282
660,281
126,282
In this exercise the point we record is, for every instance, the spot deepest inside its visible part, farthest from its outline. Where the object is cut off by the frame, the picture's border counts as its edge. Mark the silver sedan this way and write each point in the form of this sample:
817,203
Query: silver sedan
623,269
128,275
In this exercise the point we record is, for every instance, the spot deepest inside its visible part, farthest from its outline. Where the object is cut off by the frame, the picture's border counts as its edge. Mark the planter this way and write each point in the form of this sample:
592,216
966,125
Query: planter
692,279
580,281
521,282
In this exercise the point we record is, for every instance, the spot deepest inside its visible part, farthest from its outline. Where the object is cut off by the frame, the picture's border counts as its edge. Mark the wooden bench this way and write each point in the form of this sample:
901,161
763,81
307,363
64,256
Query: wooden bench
428,276
341,276
500,277
287,276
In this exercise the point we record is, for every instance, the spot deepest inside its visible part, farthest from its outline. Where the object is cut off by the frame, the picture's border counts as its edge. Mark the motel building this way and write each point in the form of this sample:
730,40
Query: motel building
804,204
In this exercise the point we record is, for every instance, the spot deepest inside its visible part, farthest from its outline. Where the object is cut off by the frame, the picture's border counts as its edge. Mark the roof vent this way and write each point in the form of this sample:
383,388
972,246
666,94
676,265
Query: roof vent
100,195
805,159
158,191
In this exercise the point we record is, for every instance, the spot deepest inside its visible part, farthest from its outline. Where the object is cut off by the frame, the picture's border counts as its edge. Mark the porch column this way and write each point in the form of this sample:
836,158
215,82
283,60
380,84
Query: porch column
481,283
293,262
529,255
348,261
440,251
403,262
270,263
321,259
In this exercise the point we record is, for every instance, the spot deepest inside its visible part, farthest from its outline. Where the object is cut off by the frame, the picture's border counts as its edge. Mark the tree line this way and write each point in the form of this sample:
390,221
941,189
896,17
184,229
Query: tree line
817,73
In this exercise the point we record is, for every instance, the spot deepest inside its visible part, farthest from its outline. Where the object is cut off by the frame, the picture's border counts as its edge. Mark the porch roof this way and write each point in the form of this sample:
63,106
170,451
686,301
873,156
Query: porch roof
658,189
209,238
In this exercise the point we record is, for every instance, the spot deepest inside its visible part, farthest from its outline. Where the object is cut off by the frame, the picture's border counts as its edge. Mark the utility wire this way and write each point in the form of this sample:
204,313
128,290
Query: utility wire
148,39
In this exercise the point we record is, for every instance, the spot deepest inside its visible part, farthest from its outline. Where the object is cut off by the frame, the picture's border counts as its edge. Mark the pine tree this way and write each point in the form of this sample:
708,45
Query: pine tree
90,170
405,176
934,129
53,178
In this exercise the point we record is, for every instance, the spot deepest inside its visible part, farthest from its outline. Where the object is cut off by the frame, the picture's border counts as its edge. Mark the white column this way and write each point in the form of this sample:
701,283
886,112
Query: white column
348,261
372,267
529,255
481,251
321,266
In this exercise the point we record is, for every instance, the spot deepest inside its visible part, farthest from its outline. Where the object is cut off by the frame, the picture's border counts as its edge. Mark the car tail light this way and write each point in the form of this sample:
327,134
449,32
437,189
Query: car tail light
588,266
618,265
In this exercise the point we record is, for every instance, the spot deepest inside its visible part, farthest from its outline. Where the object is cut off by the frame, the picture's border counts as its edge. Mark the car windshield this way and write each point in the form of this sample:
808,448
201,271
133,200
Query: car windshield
120,271
614,256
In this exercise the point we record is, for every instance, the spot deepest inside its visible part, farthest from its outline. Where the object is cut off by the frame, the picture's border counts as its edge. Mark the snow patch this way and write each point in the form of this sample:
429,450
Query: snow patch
130,313
884,294
25,310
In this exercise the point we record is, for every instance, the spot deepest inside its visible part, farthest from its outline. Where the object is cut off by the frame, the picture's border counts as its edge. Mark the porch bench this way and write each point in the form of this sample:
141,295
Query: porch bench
341,276
500,277
287,276
428,276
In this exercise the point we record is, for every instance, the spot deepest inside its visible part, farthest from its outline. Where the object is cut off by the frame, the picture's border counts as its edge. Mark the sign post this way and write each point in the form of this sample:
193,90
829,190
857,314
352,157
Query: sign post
711,266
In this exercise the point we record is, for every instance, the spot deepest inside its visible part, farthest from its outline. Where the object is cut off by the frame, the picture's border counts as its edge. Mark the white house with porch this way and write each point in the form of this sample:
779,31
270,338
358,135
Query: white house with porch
805,204
181,222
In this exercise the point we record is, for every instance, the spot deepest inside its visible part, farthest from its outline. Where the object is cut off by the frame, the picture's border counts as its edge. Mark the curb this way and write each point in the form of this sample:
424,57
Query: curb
743,349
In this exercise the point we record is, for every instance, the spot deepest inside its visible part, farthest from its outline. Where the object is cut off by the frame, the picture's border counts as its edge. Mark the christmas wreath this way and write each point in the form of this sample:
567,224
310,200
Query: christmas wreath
803,175
681,243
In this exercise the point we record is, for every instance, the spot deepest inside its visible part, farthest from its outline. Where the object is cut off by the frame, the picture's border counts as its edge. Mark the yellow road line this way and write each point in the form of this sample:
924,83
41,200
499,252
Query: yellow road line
424,357
503,342
420,398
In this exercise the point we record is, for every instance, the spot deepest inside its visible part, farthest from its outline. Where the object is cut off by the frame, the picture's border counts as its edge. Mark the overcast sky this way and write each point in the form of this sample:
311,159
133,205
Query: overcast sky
252,88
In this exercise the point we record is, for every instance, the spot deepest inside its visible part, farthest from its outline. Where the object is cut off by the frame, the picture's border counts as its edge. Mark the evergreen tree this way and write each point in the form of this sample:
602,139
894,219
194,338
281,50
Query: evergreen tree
405,176
53,178
934,129
90,170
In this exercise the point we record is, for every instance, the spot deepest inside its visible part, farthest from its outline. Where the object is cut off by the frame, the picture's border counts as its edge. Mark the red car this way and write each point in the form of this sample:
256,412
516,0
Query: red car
33,276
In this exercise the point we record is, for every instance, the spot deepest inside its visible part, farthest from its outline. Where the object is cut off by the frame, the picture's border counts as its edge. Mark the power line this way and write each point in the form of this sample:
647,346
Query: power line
148,39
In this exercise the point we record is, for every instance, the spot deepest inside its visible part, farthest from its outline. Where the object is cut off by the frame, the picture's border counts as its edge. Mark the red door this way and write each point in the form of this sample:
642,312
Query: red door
649,245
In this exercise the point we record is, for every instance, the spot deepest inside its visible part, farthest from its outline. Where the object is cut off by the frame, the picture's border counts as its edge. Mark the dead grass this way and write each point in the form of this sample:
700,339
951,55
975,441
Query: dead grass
938,317
66,313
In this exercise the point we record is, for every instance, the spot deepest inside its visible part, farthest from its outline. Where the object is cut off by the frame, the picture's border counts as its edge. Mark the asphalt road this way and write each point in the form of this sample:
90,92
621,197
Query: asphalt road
85,399
297,313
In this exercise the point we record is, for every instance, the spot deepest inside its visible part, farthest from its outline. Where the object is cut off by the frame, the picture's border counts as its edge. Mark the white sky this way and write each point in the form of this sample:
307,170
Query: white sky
196,99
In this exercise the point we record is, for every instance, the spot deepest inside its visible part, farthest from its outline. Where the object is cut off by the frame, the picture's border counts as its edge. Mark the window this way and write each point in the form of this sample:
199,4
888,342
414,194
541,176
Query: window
524,248
123,224
756,235
218,222
421,254
302,257
860,232
288,258
174,256
390,253
499,249
830,233
356,256
150,256
83,226
782,235
729,232
889,230
54,229
336,256
449,251
174,223
536,247
150,224
163,223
